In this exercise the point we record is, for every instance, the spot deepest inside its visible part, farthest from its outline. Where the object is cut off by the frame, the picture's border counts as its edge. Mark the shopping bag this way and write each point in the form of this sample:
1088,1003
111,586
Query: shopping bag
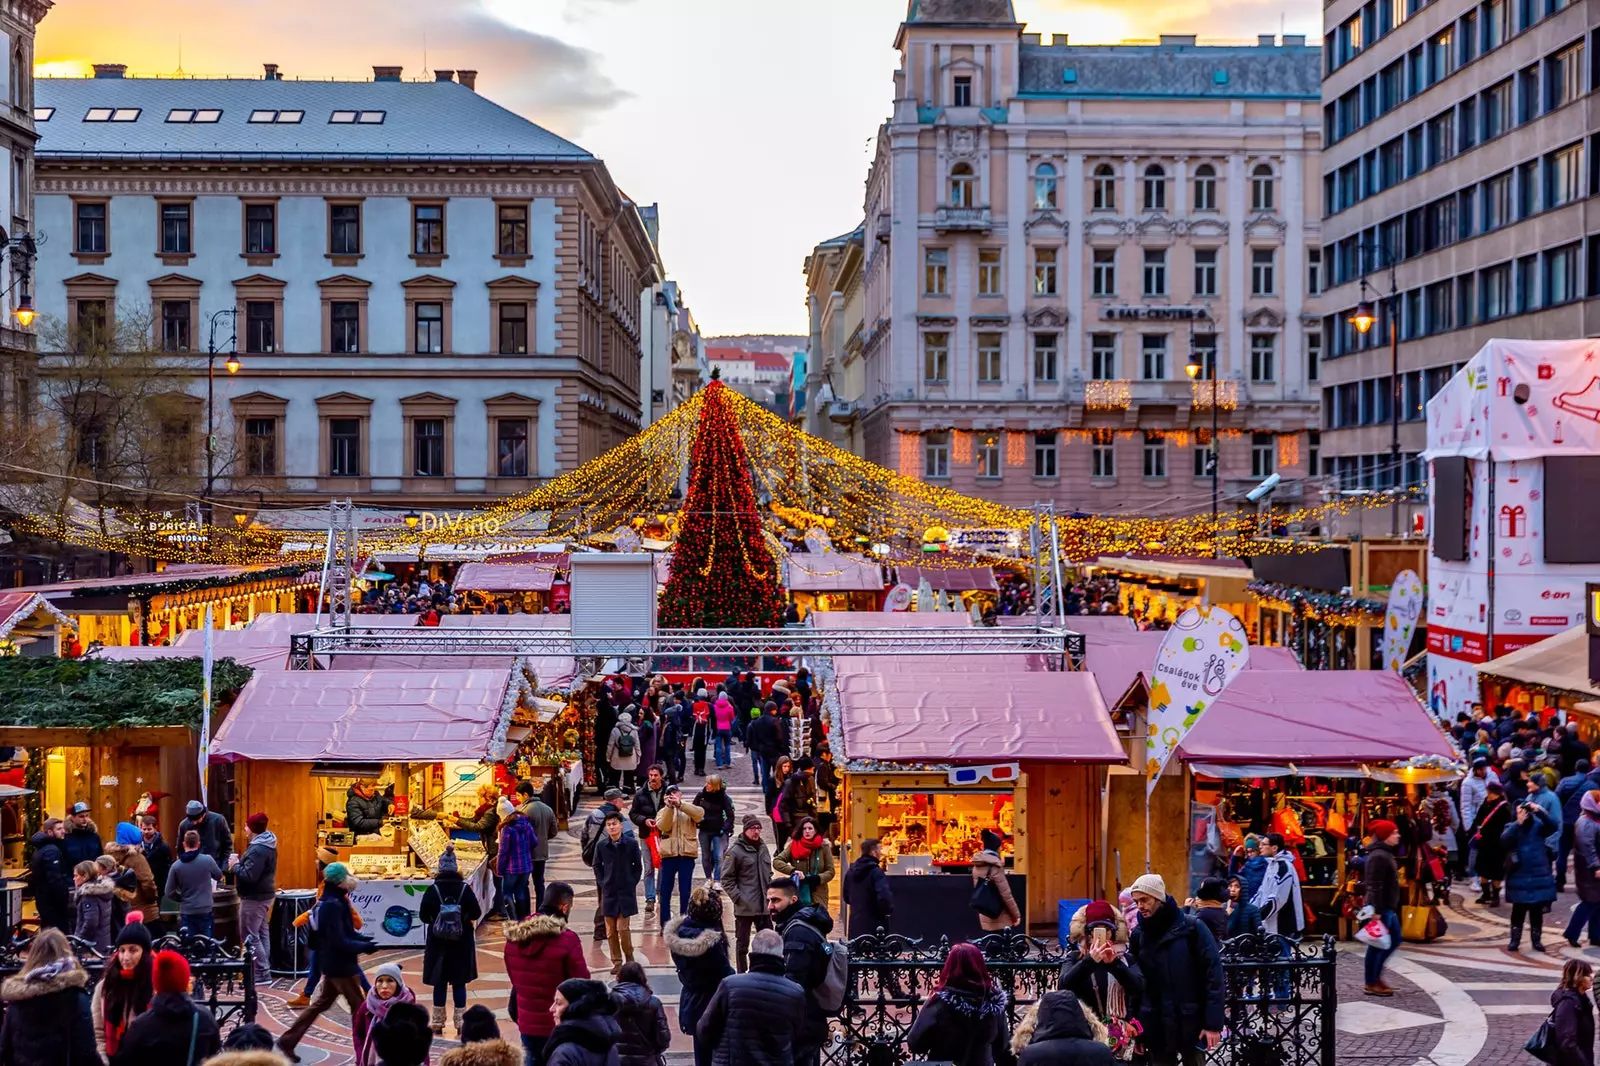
1337,825
1415,923
1374,934
655,852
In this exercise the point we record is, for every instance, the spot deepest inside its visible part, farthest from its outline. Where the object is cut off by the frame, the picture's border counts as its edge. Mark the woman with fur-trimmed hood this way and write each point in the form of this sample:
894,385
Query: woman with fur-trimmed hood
700,952
1104,977
1061,1031
47,1008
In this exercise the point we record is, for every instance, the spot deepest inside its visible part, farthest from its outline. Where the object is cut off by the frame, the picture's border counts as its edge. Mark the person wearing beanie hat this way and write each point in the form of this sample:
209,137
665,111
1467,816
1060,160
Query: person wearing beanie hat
756,1016
164,1032
125,989
746,871
256,879
1381,875
1586,870
449,959
678,841
338,956
388,991
515,860
1209,907
1182,1010
134,882
128,834
586,1031
403,1038
1001,910
1099,970
216,837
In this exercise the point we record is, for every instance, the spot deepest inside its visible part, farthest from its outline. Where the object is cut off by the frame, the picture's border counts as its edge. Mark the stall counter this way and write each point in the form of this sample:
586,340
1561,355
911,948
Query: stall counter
930,906
388,907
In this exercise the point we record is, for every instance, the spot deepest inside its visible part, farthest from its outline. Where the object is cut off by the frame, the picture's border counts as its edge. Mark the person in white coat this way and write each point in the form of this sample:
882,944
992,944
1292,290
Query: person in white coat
1278,898
1474,790
622,750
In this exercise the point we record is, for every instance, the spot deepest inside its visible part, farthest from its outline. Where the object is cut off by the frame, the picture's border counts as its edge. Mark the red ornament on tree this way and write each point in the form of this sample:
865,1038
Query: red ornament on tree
723,575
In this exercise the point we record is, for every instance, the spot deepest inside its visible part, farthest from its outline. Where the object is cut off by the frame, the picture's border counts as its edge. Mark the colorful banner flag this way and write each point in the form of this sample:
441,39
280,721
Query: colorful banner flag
1405,607
205,708
1203,651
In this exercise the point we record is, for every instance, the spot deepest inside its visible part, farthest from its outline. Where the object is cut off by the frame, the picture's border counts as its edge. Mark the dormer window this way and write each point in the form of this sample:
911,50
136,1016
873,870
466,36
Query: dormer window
290,118
962,97
42,114
961,181
112,114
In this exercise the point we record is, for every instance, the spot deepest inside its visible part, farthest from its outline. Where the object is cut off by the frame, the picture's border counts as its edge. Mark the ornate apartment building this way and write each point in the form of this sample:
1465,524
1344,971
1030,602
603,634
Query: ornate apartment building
1053,231
18,21
433,301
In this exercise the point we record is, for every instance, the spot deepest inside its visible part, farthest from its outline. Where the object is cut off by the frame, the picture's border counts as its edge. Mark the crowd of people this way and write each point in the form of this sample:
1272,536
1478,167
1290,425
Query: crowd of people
426,597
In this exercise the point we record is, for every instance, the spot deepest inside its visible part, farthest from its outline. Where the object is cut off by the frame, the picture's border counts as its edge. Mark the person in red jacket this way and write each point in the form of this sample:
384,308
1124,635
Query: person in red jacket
540,954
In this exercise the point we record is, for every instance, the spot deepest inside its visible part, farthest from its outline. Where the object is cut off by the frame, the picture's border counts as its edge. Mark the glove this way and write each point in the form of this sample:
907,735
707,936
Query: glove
813,881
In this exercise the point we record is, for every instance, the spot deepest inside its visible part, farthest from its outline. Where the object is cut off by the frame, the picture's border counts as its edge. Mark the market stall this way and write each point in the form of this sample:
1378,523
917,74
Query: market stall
407,749
115,735
834,581
30,626
1546,679
1314,756
937,751
1159,590
155,608
526,586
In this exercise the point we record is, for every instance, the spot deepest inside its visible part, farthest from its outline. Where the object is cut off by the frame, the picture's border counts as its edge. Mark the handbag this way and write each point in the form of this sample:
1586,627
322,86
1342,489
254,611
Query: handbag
655,852
1414,923
986,899
1542,1045
1232,834
1337,825
1286,823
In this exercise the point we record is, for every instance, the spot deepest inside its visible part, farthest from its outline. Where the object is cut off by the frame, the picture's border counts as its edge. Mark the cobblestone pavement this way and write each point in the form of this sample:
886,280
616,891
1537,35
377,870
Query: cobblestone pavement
1460,1001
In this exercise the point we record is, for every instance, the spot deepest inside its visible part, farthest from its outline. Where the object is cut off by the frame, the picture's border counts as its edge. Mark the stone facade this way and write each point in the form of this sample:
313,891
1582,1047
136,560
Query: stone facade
1051,230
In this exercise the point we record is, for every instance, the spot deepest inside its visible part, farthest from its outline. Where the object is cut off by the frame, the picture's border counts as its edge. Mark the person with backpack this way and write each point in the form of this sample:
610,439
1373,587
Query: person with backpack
818,967
992,899
517,843
622,749
700,730
339,949
594,827
450,911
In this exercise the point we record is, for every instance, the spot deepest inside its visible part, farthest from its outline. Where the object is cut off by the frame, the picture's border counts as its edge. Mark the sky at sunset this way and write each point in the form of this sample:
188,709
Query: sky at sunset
748,121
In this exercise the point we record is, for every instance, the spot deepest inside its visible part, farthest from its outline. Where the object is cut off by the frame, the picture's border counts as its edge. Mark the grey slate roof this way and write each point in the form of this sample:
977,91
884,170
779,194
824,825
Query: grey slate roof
422,120
961,11
1172,70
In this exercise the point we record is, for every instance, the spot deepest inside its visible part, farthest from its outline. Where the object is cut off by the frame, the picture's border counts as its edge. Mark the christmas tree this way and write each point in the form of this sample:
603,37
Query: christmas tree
723,575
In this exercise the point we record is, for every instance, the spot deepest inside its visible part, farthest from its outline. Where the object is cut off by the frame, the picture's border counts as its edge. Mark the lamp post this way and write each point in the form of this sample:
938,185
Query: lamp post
1196,368
23,250
232,364
1363,318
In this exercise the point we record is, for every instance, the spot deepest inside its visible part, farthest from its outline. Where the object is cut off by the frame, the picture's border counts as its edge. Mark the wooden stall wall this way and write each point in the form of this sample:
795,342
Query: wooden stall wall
284,791
1169,821
1059,814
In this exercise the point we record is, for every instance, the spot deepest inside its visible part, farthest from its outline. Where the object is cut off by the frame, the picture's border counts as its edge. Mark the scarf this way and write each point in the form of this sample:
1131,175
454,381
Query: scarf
803,851
366,1054
123,998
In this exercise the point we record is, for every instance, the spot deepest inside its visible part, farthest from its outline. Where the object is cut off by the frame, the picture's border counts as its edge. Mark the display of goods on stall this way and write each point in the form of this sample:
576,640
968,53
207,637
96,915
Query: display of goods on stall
947,827
429,839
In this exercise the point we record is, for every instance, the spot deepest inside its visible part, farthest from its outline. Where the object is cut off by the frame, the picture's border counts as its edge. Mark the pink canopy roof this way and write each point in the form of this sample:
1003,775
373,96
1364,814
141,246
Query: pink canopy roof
244,647
377,716
1314,717
951,579
1120,660
834,572
982,708
19,605
504,577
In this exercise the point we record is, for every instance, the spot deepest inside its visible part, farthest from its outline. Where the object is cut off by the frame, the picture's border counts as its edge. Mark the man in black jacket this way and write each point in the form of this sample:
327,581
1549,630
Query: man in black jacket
156,851
339,951
867,893
1381,875
647,803
806,952
50,877
755,1018
764,738
216,837
1183,1011
82,842
594,827
256,878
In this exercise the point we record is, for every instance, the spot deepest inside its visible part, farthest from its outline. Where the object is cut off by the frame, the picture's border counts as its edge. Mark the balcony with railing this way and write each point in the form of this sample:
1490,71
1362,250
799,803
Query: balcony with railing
962,220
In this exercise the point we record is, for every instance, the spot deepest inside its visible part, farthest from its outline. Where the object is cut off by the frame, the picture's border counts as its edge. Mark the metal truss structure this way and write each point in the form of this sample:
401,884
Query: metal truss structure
795,642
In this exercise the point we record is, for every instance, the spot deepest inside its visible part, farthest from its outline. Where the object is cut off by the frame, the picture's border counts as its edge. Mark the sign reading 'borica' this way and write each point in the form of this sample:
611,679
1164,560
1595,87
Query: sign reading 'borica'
1155,314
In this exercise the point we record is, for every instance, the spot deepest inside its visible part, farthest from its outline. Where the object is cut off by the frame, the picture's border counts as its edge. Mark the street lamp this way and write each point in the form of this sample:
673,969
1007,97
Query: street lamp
411,519
22,250
1363,318
240,519
232,364
24,313
1195,369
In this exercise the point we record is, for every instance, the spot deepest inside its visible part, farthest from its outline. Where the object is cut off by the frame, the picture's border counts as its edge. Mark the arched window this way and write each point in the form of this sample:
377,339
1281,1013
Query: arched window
1205,187
1105,188
961,181
1261,191
1044,188
1155,188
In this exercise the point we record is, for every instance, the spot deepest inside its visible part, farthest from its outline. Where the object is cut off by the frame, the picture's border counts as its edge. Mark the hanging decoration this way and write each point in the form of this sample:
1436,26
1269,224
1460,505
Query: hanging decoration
1288,450
1227,393
1107,395
1332,607
723,574
1016,448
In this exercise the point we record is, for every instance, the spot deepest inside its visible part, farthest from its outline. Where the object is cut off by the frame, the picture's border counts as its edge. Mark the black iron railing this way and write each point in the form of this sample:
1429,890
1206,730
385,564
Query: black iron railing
224,977
1279,1004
